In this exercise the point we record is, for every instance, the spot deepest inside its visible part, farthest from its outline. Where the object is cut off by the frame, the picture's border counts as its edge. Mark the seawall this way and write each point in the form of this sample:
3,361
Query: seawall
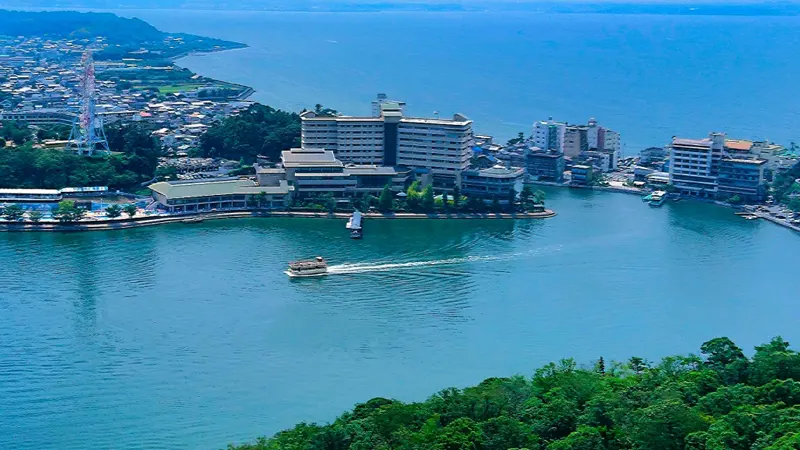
136,222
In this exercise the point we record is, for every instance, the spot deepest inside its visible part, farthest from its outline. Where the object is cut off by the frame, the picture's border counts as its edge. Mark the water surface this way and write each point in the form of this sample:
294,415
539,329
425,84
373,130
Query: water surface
191,336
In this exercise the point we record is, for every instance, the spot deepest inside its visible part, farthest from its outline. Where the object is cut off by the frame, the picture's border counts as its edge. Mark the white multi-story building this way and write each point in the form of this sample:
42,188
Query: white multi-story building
441,147
354,139
380,100
694,164
548,135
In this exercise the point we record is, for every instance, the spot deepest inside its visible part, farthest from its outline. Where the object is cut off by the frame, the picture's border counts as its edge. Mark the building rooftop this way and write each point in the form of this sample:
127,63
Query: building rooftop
309,157
208,188
497,171
738,145
698,143
369,170
746,161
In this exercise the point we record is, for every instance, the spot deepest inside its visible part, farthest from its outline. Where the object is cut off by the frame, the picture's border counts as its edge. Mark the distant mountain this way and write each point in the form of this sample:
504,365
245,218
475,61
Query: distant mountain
662,7
75,25
126,36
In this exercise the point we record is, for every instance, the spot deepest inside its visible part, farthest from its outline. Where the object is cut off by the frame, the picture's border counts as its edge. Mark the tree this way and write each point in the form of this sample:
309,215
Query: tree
735,200
726,358
113,211
260,199
413,196
386,198
637,364
130,209
496,204
13,213
794,204
456,197
427,199
68,212
525,196
35,216
601,366
512,198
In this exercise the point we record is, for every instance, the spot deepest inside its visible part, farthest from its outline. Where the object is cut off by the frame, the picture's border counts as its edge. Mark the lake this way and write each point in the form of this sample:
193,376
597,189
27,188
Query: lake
191,336
650,77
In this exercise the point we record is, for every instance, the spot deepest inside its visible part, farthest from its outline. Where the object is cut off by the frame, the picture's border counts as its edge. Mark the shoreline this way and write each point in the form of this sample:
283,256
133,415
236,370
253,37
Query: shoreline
633,191
124,224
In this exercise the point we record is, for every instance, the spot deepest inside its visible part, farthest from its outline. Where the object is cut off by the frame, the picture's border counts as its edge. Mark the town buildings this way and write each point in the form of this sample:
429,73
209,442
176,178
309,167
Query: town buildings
438,148
717,168
314,172
545,166
549,135
581,175
495,182
219,194
589,144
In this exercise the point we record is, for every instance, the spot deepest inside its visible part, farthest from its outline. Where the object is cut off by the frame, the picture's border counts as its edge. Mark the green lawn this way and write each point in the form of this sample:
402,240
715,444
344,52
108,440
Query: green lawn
173,88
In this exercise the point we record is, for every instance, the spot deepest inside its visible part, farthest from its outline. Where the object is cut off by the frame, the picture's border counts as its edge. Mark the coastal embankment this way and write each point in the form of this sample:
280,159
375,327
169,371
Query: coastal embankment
145,221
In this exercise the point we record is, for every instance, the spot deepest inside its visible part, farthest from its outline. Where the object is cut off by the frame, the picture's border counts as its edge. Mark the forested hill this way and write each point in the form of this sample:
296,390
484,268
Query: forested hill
75,25
720,401
122,33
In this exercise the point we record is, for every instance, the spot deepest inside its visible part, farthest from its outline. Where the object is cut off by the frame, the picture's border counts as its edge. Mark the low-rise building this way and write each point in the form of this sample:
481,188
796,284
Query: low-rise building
219,194
316,171
581,175
545,166
495,182
743,178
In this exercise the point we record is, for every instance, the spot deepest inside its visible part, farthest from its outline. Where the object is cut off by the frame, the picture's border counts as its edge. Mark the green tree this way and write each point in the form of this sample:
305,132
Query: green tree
113,211
726,358
427,201
496,205
35,216
414,196
512,199
130,210
525,197
68,212
664,425
584,438
456,197
386,198
461,434
260,199
13,213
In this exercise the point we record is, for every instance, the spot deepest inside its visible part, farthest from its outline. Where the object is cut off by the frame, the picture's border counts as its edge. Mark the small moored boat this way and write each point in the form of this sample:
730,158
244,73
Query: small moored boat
658,198
308,268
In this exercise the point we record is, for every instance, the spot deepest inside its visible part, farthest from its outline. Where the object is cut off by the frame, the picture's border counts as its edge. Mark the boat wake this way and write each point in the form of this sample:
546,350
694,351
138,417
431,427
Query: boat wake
371,267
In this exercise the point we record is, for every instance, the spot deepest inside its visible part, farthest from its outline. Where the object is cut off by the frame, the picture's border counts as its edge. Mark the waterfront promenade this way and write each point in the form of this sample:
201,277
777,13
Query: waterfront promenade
145,221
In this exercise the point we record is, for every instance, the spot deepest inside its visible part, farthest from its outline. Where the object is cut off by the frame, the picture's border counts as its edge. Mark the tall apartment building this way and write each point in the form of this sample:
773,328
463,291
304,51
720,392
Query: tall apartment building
548,135
717,168
440,147
574,140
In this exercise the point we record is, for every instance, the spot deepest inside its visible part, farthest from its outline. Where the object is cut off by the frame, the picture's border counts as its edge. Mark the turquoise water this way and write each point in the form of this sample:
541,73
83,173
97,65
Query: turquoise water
191,336
650,76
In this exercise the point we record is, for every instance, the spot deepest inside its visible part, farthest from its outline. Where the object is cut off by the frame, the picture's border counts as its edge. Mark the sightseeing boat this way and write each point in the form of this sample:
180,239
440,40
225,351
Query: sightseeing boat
308,268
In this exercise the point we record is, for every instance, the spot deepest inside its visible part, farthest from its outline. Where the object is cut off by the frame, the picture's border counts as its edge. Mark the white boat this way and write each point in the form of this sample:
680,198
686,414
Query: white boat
355,221
658,198
308,268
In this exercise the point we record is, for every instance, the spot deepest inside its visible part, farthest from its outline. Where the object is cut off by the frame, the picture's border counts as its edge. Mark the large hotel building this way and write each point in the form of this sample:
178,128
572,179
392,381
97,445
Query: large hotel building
440,147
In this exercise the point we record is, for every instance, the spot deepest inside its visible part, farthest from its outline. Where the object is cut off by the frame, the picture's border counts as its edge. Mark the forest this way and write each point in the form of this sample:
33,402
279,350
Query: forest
259,130
134,161
720,399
